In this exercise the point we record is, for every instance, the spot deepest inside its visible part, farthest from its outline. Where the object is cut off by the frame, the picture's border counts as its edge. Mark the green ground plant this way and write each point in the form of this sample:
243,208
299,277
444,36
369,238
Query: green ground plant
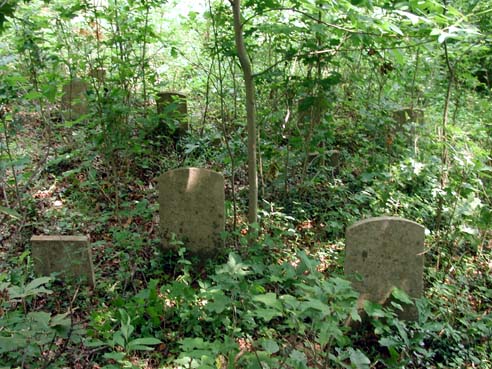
28,337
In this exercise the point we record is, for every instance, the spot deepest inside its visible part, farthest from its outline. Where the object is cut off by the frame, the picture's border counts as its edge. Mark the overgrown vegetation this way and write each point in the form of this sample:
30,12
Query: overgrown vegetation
363,108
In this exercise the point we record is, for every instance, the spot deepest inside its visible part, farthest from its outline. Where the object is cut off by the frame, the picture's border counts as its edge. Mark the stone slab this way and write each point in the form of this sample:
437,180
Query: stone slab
69,255
173,105
408,115
74,99
386,252
191,205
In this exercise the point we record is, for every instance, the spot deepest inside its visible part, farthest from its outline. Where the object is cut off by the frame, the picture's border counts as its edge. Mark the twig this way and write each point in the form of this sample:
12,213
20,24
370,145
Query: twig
334,51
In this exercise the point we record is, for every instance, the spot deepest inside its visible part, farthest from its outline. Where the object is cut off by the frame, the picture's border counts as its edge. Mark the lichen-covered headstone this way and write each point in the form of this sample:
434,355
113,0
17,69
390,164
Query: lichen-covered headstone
68,255
191,206
386,252
74,99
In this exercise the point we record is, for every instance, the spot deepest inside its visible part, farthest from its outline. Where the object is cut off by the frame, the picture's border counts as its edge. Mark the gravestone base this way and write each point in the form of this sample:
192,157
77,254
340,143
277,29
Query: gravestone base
68,255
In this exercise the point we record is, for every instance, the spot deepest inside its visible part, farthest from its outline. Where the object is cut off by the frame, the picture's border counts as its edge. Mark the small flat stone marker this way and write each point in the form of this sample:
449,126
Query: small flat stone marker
386,252
191,205
69,255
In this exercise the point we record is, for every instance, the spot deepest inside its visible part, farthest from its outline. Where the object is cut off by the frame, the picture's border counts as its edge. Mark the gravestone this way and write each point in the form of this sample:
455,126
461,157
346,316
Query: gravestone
74,99
386,252
408,115
191,205
404,128
68,255
99,74
334,160
173,108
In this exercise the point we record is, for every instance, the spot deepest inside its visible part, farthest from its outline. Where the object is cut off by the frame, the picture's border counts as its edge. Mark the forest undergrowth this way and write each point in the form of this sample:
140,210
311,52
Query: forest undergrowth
281,302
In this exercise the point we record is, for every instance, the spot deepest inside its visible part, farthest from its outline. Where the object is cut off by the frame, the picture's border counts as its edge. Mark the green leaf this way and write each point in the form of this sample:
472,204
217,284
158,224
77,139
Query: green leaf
31,289
290,302
234,266
142,344
126,326
329,330
117,356
94,343
269,299
219,304
388,342
12,343
270,346
35,283
354,314
403,332
146,341
118,340
40,317
189,344
443,37
359,360
316,304
11,212
414,19
266,314
33,95
374,310
298,357
60,320
401,296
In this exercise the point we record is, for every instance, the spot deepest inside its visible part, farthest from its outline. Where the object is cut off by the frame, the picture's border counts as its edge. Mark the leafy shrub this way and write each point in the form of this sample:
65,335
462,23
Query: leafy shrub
27,338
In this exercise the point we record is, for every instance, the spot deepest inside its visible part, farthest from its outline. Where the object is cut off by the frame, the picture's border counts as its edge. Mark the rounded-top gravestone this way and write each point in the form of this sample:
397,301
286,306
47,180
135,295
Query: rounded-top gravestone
386,252
191,207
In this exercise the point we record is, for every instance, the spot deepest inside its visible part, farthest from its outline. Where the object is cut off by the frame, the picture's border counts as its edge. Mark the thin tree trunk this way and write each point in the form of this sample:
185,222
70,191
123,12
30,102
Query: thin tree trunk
250,112
443,139
444,155
144,55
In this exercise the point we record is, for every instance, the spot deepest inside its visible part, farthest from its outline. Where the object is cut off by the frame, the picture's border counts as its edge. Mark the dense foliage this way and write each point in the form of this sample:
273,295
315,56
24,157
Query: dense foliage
363,108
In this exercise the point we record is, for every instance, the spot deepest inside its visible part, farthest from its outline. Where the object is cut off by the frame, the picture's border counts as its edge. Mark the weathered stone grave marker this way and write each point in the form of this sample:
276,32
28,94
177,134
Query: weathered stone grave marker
99,74
74,99
191,205
408,115
69,255
406,122
174,107
386,252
